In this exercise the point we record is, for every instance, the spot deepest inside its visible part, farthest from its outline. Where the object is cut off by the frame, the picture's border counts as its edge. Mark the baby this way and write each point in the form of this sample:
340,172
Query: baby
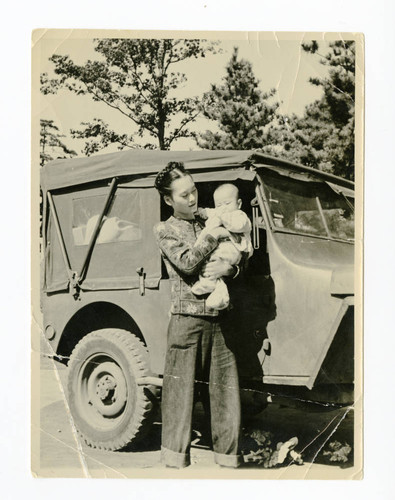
226,213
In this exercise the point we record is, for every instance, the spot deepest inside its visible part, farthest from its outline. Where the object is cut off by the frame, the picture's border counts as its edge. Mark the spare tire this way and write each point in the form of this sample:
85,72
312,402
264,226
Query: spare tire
108,408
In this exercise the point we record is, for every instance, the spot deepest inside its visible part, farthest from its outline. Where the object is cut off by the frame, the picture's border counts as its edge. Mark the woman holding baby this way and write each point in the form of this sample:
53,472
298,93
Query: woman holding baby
199,336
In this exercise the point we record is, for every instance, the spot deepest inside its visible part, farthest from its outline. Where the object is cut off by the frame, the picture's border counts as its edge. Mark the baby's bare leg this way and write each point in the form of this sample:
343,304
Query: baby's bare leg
219,298
203,286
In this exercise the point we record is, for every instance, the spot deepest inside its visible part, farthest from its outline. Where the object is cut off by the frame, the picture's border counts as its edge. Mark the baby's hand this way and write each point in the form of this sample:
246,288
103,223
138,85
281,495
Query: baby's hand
220,210
202,212
213,222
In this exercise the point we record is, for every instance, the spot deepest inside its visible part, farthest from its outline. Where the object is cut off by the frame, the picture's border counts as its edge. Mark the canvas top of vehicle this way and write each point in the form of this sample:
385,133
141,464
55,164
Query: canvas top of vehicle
71,172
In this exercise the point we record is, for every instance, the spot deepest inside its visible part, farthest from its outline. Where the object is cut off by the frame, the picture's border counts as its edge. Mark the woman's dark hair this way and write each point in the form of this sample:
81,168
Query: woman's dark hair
173,170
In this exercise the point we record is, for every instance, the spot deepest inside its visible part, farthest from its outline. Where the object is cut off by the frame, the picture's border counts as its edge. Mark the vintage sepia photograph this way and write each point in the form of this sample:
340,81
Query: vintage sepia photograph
197,254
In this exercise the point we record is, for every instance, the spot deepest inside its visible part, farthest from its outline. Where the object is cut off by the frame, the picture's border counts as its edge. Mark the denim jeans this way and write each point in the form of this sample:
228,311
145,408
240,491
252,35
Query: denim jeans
200,349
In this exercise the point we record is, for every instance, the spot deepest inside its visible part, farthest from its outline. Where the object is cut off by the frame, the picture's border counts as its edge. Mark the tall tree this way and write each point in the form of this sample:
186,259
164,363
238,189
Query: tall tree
324,137
240,109
51,145
137,79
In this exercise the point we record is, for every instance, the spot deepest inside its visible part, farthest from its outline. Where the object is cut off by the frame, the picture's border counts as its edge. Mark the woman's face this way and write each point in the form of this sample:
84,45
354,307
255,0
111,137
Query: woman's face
184,197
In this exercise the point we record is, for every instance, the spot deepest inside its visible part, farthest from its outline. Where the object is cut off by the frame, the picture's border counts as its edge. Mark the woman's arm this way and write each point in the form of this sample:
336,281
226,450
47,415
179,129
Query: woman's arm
184,255
215,232
218,268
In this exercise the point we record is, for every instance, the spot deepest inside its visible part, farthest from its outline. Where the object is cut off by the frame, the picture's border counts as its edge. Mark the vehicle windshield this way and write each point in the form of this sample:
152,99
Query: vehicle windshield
311,208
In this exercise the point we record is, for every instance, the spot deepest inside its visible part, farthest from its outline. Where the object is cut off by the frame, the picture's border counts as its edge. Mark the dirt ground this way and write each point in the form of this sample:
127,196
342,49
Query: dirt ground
57,451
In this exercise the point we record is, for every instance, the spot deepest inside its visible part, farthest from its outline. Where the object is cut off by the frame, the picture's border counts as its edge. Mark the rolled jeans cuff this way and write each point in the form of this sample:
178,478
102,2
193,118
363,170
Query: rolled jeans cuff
174,458
228,460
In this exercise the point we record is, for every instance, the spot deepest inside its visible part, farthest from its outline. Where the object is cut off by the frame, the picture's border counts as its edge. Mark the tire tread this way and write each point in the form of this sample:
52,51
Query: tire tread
133,348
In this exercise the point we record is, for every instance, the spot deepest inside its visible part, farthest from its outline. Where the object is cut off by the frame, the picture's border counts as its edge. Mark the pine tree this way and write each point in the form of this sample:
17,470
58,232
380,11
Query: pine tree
239,108
324,137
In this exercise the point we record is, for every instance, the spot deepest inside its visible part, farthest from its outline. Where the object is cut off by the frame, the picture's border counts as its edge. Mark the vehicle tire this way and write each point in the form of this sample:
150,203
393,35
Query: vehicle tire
108,408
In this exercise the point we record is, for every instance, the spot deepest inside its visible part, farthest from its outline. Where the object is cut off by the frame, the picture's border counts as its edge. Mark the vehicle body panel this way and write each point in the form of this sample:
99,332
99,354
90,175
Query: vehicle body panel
149,313
303,338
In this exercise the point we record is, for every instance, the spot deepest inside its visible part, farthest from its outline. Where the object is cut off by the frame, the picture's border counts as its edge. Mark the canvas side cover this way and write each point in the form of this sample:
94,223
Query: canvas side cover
124,244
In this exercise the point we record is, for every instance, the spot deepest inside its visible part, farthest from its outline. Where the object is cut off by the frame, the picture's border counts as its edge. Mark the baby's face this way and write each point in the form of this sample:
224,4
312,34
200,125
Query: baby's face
226,199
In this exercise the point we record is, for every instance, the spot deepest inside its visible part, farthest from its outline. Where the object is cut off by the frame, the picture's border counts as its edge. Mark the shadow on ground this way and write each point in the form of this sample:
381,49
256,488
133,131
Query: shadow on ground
315,429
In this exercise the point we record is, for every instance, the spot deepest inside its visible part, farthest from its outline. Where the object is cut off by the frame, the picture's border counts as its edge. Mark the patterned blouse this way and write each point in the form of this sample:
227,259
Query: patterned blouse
183,259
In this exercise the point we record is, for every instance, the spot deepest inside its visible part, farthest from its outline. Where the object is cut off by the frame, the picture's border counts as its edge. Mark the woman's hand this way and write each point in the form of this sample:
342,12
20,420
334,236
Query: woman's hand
216,268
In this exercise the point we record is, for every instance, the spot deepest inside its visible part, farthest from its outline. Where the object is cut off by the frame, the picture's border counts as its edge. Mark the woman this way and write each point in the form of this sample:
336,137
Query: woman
198,337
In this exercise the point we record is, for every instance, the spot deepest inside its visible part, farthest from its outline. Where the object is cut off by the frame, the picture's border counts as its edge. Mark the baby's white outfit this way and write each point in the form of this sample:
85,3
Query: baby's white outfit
230,250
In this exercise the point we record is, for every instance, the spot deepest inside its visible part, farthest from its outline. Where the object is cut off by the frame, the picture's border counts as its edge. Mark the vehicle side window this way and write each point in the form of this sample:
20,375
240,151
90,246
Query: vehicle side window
125,242
122,222
309,208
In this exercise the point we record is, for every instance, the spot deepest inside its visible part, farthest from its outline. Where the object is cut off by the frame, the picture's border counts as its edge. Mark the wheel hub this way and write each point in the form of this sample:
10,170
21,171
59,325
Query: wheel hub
106,389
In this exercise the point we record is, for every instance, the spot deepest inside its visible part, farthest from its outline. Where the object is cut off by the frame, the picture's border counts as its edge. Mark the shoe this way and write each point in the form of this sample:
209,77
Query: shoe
285,448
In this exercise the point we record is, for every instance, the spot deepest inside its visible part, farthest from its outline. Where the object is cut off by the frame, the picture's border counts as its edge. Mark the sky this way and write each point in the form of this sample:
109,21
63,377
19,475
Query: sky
277,63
